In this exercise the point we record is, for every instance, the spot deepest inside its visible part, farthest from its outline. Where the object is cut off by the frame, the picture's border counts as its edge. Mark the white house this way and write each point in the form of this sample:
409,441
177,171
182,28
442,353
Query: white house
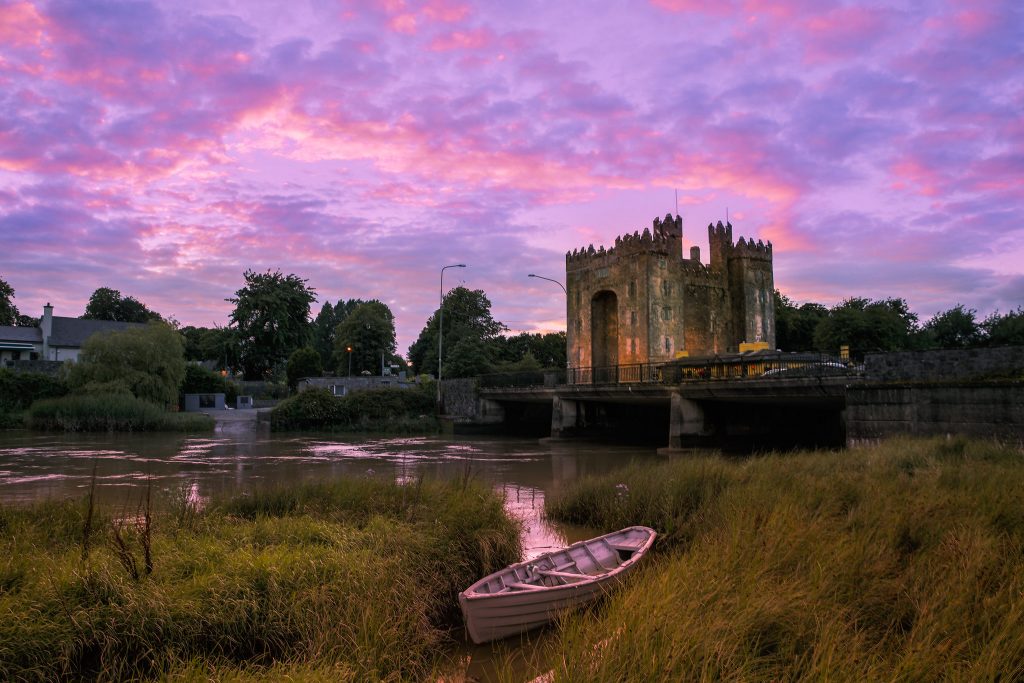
57,338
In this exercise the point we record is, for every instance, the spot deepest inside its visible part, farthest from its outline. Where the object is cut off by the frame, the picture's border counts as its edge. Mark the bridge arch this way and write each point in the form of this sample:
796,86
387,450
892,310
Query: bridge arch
604,329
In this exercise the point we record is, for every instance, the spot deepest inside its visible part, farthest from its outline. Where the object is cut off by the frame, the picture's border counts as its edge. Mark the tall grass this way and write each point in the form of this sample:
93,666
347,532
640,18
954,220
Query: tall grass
354,582
115,412
903,561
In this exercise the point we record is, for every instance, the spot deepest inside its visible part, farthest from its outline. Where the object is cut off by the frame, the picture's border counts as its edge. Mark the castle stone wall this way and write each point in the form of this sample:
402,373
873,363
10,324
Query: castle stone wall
666,305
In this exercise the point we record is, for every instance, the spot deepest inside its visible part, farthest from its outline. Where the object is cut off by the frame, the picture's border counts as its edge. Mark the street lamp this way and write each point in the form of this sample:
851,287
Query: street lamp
349,350
541,277
440,330
550,280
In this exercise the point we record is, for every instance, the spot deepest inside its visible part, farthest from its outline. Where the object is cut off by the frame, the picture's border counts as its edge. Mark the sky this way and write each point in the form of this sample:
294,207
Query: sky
164,148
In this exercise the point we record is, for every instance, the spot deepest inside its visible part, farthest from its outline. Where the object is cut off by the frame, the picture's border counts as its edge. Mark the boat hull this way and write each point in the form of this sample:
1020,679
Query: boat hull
530,594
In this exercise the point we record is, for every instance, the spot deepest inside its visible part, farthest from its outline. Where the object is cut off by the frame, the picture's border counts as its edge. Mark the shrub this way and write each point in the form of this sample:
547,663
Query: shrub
106,412
394,410
311,409
19,389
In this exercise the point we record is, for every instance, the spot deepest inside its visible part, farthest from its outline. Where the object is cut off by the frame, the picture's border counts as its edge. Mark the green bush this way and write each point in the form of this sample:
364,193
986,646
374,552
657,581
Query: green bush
110,412
19,389
353,581
393,410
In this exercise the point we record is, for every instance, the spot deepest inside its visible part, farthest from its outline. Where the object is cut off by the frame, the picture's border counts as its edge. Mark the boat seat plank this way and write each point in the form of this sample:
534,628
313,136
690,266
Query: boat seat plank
524,586
577,576
598,562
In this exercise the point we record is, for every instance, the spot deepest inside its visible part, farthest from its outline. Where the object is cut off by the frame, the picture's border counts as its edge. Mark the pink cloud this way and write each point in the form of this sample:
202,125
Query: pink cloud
463,40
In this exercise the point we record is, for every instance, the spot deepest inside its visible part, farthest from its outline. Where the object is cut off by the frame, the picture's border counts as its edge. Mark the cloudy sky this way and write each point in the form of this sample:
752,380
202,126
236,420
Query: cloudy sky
162,148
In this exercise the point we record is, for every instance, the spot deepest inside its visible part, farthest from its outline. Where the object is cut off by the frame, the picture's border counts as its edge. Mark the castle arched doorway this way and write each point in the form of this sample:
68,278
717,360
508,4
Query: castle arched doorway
604,329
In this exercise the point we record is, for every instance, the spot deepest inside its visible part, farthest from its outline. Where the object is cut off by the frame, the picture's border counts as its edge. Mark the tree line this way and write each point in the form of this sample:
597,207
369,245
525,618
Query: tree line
867,325
271,333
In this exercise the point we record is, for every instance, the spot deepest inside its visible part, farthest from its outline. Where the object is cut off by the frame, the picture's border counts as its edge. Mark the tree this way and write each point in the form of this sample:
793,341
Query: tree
305,362
795,325
544,350
271,319
8,311
108,304
147,361
323,333
215,344
1005,330
952,329
370,331
467,315
865,325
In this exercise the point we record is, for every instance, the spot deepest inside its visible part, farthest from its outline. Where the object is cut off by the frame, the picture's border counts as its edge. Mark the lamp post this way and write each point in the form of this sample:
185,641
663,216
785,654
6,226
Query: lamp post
550,280
440,330
541,277
349,350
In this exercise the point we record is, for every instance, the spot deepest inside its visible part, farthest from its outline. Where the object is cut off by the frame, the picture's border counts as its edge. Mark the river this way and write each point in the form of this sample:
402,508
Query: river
37,466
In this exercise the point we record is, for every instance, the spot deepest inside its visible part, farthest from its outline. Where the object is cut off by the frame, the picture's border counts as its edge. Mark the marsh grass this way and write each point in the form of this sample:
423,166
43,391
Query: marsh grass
903,561
116,412
350,581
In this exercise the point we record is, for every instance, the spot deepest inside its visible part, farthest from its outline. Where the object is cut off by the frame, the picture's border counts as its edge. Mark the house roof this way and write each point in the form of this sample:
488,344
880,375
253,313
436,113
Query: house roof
26,335
72,332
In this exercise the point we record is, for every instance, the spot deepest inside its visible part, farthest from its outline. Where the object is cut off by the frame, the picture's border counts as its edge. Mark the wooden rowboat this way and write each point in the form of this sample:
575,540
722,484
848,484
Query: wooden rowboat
530,594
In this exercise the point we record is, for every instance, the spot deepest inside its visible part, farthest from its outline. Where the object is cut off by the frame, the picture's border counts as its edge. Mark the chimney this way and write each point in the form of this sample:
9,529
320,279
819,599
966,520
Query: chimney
46,325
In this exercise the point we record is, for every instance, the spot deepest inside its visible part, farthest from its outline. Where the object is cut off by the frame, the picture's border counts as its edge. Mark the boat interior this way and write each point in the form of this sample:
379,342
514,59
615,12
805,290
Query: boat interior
582,561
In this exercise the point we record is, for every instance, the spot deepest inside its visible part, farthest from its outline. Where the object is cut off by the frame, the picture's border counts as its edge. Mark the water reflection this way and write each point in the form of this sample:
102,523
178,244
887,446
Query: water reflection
55,466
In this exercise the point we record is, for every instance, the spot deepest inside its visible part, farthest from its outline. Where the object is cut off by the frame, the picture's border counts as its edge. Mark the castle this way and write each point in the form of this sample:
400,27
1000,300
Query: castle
641,301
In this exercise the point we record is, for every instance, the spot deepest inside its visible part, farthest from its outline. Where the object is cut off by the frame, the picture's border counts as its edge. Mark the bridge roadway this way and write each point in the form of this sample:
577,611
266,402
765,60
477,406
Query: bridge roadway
804,410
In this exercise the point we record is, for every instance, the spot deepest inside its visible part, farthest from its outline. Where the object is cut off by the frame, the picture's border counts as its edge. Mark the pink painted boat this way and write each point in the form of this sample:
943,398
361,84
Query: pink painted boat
530,594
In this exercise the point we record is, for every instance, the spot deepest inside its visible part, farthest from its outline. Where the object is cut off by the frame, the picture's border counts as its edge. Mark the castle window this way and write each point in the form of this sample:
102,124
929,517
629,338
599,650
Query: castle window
632,318
668,344
603,272
666,287
661,262
632,287
632,345
666,313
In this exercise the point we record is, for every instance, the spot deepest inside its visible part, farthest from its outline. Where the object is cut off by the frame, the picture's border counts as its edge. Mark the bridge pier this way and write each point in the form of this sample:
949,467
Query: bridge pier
686,421
565,415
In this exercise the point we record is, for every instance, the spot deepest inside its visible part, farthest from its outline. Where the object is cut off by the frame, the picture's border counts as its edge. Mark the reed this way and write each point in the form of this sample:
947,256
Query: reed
903,561
351,581
117,412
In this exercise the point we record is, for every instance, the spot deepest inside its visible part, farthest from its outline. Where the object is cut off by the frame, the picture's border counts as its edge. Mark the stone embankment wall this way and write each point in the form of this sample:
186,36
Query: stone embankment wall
978,392
459,397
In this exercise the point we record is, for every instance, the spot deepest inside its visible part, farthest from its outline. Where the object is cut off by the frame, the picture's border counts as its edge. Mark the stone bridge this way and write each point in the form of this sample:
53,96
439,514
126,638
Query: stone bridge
742,406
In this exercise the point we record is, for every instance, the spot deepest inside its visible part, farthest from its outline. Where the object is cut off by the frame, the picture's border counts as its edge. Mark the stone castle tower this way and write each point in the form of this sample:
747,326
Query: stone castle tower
641,301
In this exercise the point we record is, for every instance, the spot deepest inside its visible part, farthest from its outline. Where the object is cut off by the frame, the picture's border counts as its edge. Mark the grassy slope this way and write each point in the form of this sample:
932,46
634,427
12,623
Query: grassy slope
903,561
355,580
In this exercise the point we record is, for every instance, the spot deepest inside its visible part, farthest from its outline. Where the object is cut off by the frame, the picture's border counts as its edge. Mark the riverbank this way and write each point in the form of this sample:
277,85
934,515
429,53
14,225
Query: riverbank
901,561
355,580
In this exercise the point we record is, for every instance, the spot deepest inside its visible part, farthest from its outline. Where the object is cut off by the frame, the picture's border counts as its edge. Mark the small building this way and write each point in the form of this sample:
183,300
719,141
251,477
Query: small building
198,402
57,338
